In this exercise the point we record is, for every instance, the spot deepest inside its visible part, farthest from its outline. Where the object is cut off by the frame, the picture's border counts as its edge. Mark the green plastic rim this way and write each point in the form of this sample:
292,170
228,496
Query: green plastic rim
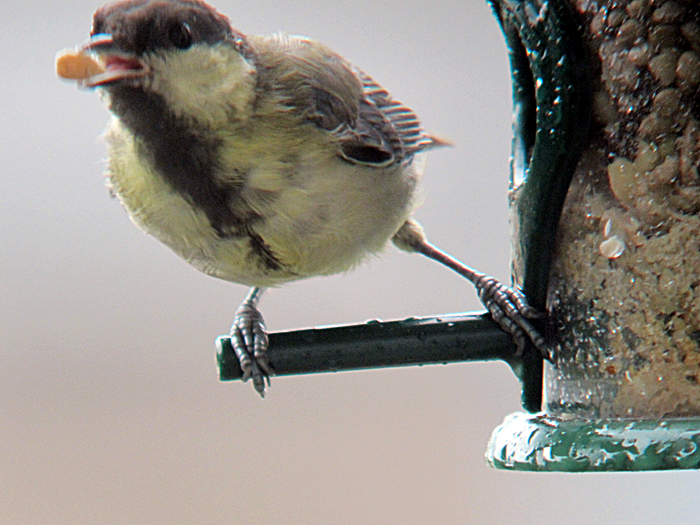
548,444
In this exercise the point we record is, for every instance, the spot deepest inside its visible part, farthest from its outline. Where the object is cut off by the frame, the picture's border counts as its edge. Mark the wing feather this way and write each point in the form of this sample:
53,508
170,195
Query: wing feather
368,125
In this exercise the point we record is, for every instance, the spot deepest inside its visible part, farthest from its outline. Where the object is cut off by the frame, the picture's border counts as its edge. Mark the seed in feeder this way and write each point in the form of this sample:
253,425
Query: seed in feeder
663,67
647,156
612,248
669,13
667,102
629,31
637,8
607,228
691,31
640,54
654,127
688,69
666,172
664,36
621,175
615,18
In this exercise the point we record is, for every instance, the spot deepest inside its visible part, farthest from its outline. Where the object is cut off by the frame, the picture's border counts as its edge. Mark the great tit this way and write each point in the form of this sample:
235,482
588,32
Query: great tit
260,160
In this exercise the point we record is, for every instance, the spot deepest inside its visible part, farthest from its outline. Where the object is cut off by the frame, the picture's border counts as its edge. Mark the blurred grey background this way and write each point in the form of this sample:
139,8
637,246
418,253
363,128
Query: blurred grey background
110,407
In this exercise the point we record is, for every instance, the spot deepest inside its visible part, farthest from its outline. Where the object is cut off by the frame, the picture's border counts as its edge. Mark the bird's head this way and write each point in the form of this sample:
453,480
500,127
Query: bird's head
183,51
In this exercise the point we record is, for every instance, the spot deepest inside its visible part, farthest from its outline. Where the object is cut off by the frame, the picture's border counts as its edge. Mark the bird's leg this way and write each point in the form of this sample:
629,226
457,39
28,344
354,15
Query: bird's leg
249,340
507,306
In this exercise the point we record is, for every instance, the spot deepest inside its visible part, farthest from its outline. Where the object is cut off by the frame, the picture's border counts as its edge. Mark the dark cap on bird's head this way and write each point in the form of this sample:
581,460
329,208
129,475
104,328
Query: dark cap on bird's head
125,34
140,26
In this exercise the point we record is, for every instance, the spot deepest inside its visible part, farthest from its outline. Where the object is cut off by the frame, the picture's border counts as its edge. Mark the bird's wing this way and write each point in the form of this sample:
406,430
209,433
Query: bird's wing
398,123
369,126
384,130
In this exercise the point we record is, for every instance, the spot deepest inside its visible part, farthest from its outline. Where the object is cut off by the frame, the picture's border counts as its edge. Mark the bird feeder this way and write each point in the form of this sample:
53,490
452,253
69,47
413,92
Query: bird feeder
605,201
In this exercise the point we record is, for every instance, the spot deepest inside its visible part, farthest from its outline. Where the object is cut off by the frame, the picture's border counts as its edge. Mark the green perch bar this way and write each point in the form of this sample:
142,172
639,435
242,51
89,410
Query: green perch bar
415,341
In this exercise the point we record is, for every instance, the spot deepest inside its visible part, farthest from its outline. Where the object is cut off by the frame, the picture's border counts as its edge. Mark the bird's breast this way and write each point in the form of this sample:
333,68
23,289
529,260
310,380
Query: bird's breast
296,211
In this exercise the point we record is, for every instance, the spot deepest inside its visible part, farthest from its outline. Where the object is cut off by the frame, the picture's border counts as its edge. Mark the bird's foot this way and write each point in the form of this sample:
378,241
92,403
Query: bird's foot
509,308
249,340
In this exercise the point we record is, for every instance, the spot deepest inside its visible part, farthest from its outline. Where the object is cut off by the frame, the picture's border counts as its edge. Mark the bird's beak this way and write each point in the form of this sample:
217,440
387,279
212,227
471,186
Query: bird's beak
117,65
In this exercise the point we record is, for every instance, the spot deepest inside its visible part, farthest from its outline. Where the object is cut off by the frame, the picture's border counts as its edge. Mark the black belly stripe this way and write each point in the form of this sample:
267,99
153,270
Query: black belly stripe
260,250
186,157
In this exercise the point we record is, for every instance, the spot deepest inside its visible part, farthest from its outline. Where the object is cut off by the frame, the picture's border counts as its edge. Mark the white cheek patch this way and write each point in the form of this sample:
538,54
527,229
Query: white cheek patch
205,83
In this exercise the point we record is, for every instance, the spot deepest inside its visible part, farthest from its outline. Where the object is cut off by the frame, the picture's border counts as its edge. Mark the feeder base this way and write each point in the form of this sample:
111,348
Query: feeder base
539,442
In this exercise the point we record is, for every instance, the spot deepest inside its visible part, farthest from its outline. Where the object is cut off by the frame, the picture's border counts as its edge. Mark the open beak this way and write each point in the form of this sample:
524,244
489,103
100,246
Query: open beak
116,65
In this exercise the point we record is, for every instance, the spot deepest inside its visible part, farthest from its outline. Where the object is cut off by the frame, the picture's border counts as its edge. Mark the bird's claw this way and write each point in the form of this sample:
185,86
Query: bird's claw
250,341
510,309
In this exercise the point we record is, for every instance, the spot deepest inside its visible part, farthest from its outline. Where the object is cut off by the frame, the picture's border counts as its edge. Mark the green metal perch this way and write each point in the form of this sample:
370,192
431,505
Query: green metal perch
414,341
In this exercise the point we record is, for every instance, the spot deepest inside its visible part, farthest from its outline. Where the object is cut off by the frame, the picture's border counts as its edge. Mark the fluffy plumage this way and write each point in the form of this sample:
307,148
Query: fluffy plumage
260,160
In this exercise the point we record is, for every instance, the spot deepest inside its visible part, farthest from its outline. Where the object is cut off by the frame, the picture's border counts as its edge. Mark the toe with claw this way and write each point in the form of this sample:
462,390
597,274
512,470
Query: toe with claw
509,308
250,341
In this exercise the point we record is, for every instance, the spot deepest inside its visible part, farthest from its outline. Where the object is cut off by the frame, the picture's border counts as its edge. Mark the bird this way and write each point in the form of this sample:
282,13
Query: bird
261,160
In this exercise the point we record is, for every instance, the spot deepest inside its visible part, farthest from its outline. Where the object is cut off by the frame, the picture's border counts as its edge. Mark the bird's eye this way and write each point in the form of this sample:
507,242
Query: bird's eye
181,35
